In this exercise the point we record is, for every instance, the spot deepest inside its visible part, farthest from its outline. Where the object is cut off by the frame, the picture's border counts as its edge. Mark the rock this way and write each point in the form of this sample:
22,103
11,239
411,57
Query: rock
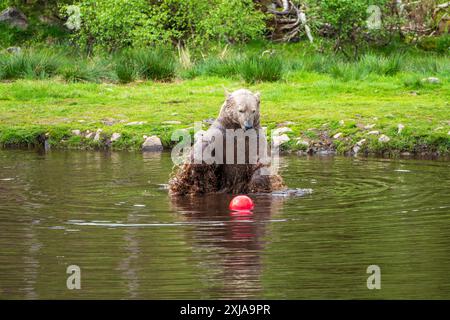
14,50
400,128
279,140
280,131
292,192
14,18
303,143
152,144
341,122
49,20
109,121
115,136
89,135
326,152
432,80
384,138
136,123
285,123
414,93
406,153
76,132
374,132
97,135
358,145
448,133
337,135
369,126
171,122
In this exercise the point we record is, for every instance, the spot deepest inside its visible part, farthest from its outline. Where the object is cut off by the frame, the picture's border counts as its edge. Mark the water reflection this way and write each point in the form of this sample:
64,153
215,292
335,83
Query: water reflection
230,252
107,213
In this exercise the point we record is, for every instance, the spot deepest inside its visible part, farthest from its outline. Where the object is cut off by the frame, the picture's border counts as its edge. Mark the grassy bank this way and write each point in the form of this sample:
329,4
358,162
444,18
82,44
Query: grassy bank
316,106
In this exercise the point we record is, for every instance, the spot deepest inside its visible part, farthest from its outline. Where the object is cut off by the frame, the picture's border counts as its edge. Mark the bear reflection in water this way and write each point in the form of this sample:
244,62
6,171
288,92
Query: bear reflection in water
229,245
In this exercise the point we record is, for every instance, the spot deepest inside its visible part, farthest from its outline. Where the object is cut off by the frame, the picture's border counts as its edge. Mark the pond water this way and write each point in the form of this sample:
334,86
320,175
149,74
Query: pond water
109,214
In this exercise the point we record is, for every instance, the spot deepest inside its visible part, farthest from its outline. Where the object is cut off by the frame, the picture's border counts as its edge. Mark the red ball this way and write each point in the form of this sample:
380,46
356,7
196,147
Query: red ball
241,203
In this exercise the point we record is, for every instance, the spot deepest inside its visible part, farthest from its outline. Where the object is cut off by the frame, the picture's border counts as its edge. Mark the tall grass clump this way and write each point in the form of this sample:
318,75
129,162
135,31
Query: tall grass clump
318,63
431,65
215,66
146,64
380,65
413,82
347,71
86,70
29,64
258,68
125,68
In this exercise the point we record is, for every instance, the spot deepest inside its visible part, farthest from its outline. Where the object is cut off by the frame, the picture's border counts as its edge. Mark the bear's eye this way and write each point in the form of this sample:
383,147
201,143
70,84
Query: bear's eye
254,111
241,111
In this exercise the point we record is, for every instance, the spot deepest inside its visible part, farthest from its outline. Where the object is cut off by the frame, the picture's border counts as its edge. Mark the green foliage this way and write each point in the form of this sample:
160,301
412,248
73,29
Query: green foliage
110,23
231,21
443,44
3,4
36,33
114,24
349,19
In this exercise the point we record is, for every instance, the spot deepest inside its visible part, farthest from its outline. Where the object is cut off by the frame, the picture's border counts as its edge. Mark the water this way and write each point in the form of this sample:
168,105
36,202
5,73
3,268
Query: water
109,214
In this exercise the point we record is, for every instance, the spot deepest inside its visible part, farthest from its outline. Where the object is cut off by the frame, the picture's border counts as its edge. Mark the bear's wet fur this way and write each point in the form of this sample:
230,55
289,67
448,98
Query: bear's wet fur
239,111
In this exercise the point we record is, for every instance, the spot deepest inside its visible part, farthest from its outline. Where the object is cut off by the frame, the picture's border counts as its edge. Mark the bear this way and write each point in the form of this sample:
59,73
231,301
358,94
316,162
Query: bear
240,111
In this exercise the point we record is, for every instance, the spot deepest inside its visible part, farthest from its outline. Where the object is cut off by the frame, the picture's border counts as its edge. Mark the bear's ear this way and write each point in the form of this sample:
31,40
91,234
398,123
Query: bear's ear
258,96
227,92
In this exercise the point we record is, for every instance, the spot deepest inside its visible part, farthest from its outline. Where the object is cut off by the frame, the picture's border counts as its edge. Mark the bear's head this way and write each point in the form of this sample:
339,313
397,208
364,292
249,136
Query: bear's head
241,109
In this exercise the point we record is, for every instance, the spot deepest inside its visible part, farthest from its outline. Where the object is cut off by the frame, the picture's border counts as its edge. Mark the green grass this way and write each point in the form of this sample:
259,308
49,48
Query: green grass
60,90
312,102
264,63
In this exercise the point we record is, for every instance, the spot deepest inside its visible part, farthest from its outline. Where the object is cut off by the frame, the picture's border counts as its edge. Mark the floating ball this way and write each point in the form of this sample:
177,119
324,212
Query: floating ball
241,203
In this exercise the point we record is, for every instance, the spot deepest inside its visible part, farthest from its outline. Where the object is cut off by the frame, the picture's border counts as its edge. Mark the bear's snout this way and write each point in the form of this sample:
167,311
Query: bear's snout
248,125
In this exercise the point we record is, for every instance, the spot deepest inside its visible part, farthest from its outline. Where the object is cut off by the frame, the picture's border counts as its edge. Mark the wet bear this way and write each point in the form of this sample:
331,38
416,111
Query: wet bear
241,167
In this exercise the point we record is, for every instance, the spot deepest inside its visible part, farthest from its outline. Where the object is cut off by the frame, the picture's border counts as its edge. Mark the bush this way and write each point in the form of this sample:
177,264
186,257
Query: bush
348,19
115,24
443,44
